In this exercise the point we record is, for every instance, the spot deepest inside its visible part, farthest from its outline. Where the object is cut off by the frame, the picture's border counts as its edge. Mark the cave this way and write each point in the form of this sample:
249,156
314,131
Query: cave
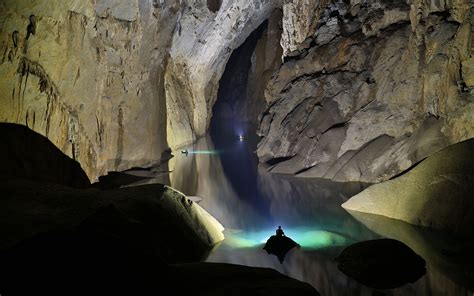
243,147
214,5
234,118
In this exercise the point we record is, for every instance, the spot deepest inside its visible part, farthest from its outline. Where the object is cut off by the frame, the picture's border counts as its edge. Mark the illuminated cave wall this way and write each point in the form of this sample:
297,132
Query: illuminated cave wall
89,76
200,49
368,88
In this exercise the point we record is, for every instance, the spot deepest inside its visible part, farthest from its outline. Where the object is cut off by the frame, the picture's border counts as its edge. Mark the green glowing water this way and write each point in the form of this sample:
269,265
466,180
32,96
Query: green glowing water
308,238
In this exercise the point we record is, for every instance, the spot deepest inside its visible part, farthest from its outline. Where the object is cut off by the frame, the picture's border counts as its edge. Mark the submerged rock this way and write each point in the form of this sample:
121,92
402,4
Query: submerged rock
381,263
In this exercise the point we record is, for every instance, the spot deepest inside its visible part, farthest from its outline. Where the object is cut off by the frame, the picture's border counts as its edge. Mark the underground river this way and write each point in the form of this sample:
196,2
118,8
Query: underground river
222,171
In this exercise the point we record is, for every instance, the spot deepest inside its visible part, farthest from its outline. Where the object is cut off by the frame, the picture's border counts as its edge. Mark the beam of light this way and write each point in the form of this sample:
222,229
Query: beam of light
307,237
203,152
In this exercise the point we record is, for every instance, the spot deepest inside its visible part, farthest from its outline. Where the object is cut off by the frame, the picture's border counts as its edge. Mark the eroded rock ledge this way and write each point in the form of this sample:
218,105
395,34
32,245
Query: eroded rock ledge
368,88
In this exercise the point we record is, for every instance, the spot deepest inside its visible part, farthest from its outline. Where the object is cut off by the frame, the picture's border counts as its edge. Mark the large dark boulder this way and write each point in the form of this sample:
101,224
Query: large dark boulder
154,218
381,263
82,262
27,154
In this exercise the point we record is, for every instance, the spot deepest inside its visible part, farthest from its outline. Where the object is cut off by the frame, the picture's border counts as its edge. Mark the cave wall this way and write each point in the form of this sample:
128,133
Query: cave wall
368,88
89,76
201,47
265,60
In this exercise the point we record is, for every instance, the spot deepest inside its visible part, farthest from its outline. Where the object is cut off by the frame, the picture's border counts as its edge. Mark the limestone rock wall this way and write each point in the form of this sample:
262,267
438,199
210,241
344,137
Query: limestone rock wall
89,76
369,89
266,59
201,46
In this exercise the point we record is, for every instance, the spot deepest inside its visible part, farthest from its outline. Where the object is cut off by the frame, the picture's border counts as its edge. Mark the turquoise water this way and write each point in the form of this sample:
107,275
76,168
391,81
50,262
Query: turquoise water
251,203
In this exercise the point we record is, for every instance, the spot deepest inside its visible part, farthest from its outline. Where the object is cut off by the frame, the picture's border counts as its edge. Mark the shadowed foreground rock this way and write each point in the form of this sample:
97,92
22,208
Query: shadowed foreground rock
29,155
381,263
58,240
444,253
83,263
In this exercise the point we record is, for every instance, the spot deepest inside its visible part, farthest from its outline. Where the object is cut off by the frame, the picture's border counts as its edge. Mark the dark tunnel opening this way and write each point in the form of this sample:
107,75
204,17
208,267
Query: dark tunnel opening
235,111
234,121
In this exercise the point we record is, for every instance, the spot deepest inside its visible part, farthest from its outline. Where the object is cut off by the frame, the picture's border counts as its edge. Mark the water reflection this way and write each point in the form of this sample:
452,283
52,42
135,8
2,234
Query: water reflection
251,203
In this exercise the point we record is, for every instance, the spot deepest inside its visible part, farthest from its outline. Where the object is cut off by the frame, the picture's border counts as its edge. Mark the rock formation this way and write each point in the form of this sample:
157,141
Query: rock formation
381,263
89,76
436,193
201,46
19,159
368,88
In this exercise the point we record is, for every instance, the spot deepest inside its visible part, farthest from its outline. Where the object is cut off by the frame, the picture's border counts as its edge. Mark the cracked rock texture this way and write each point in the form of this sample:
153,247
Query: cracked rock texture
368,88
89,76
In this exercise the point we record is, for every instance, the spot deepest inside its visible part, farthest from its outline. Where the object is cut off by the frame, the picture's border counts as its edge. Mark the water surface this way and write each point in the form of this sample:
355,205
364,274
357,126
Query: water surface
251,202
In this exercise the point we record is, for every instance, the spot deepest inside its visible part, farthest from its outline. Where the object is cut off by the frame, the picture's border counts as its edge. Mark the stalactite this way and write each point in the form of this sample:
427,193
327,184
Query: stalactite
15,38
46,85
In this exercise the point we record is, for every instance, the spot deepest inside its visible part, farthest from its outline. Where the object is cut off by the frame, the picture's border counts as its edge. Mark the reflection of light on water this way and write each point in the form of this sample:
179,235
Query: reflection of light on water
203,152
307,238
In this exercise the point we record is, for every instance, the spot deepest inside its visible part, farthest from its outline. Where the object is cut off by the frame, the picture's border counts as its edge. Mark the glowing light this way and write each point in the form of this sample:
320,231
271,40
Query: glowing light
203,152
241,138
307,237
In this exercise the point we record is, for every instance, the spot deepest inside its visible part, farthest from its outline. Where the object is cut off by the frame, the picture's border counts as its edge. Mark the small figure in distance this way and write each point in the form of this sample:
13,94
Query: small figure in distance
279,231
185,151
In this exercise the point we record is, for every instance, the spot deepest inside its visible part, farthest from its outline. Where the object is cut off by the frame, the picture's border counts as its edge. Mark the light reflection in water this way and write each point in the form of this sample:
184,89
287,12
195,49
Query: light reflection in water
251,203
203,152
306,237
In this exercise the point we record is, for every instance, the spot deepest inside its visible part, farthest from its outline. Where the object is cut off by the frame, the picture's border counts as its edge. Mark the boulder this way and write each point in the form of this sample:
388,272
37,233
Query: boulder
381,263
436,193
152,218
82,262
29,155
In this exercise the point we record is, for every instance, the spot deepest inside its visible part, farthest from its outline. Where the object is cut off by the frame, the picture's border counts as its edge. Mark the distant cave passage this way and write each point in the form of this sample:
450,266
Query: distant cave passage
235,111
214,5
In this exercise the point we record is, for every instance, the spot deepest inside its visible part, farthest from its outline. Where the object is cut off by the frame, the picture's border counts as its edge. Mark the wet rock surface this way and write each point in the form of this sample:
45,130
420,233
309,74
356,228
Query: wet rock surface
382,263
